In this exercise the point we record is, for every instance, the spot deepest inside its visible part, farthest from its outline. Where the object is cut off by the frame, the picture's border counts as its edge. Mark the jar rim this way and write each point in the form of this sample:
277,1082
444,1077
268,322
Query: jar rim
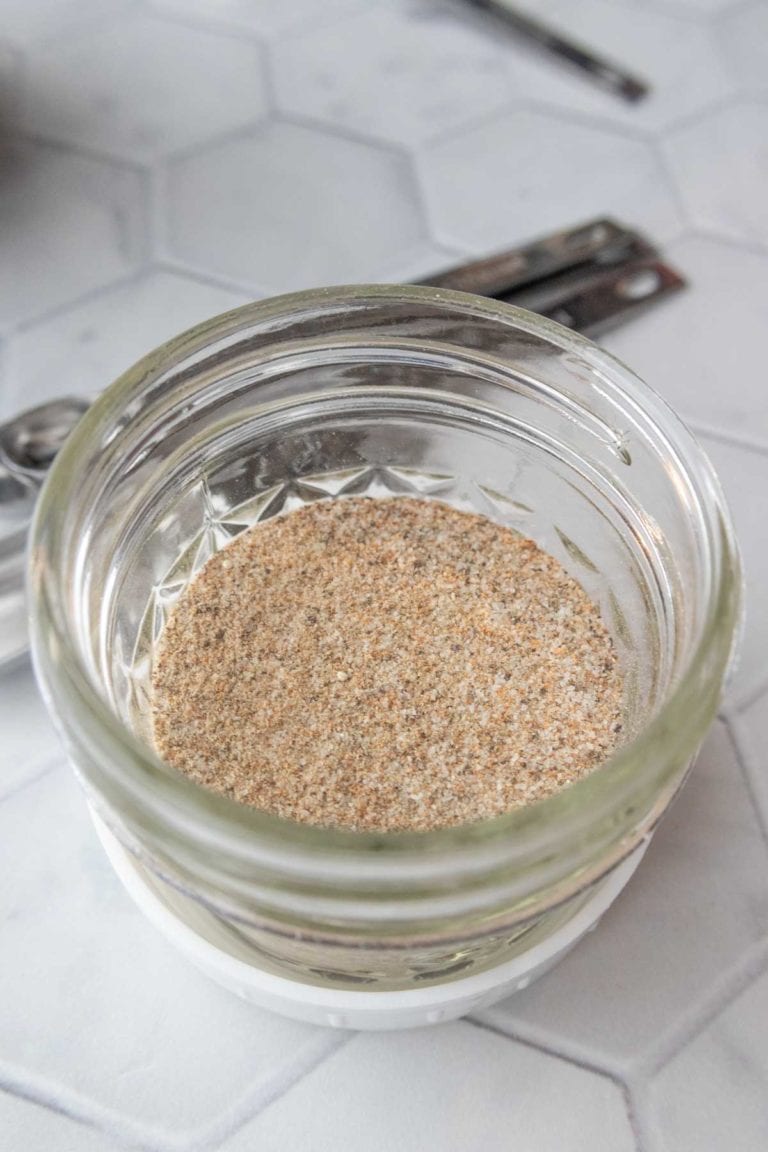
570,812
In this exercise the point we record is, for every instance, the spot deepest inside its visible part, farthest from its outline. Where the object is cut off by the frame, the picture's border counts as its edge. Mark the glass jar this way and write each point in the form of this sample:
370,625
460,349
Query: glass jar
378,391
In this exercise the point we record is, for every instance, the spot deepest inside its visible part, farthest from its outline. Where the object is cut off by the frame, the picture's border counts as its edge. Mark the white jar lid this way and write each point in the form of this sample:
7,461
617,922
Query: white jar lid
179,919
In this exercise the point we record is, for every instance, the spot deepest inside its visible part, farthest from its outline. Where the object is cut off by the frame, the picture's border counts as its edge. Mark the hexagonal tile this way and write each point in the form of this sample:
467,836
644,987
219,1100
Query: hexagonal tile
78,352
744,39
721,167
262,17
9,85
697,901
32,1126
118,87
679,60
391,74
698,8
751,728
29,740
96,1002
729,286
713,1094
452,1088
287,207
743,472
522,174
68,225
26,21
423,260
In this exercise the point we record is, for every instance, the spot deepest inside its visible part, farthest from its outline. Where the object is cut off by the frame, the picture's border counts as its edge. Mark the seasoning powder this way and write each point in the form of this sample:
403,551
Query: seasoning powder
385,664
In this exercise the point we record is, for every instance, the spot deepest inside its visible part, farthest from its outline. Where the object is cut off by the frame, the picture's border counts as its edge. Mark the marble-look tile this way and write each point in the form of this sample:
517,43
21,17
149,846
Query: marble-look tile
679,61
743,36
94,1001
81,350
720,165
715,372
423,259
287,207
523,174
142,86
714,1094
68,225
743,473
751,728
264,18
399,71
452,1088
697,901
10,84
34,1128
29,741
28,21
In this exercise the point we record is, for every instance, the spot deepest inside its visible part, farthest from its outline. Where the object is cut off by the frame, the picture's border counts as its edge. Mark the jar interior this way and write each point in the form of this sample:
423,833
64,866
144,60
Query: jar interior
381,426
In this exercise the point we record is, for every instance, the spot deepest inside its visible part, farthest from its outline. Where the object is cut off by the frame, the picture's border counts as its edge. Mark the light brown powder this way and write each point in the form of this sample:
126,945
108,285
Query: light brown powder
385,664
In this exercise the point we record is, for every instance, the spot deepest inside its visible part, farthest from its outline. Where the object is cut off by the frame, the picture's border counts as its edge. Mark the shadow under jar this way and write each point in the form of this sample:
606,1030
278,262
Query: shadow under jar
378,391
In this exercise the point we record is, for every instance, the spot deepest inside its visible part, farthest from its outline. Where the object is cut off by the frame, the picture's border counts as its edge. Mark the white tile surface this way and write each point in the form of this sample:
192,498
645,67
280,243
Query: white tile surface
28,23
27,1125
140,86
720,165
388,75
679,61
29,742
744,475
435,134
95,1002
743,35
453,1088
710,371
263,18
525,174
698,900
751,728
82,349
713,1095
289,207
68,225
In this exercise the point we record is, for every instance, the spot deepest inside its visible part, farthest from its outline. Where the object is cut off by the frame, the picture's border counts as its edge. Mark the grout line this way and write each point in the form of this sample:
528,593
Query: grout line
670,179
47,767
755,247
168,261
482,1019
632,1087
700,116
326,1045
639,1112
88,297
510,107
22,136
743,703
193,22
719,997
747,766
341,132
206,279
70,1104
732,439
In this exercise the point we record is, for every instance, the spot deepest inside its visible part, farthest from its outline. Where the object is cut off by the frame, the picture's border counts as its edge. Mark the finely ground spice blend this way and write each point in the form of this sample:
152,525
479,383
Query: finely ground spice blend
385,664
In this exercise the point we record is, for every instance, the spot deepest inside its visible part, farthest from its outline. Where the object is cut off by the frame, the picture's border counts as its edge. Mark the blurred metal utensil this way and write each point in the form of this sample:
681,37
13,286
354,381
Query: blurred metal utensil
588,278
606,73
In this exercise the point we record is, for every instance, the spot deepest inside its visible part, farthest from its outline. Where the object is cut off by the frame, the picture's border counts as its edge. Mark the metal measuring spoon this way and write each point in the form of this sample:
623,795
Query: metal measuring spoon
28,445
